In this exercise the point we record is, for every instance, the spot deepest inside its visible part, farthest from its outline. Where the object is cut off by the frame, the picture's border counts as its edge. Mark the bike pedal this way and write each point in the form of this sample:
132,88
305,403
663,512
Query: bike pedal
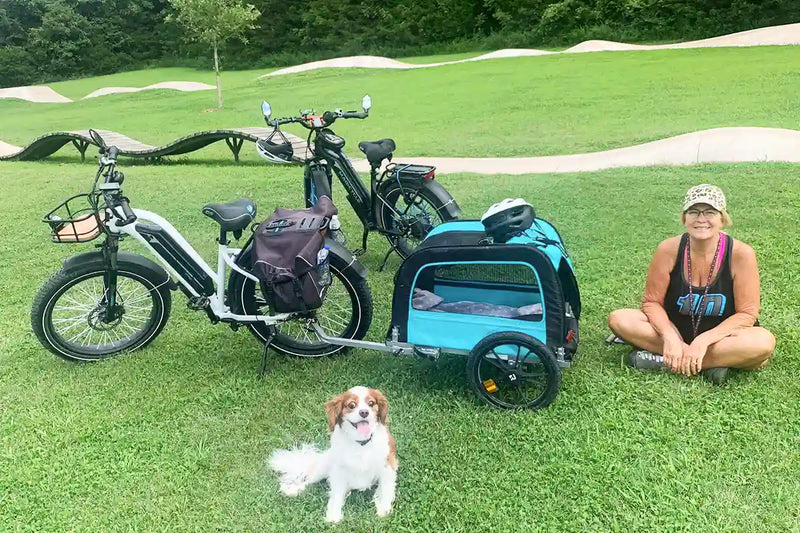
197,302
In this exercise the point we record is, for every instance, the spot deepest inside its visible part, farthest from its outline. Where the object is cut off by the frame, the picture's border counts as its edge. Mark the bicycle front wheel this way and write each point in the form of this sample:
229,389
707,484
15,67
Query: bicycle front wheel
69,317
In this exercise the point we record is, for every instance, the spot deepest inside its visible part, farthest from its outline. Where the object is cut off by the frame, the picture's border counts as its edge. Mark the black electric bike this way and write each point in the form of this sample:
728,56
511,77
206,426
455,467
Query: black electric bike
403,203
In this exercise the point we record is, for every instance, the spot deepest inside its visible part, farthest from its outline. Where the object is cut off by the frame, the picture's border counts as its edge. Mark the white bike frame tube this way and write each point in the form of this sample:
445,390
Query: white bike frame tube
216,300
220,277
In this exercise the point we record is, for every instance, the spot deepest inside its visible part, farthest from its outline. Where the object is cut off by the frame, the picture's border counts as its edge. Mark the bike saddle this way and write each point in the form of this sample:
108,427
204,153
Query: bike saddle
232,216
377,151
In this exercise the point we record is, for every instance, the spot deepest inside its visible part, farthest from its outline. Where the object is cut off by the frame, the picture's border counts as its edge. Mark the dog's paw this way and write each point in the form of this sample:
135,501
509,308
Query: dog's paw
383,508
333,515
292,488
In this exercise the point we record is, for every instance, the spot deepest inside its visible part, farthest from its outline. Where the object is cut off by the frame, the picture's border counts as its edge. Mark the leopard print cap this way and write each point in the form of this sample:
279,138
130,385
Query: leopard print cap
705,194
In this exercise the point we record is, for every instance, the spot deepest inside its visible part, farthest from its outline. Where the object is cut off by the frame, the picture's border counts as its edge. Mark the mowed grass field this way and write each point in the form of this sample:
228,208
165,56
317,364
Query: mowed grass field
524,106
174,437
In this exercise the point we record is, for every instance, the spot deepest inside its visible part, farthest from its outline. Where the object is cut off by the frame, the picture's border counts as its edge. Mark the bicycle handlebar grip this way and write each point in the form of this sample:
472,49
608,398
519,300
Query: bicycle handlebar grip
353,114
130,216
112,152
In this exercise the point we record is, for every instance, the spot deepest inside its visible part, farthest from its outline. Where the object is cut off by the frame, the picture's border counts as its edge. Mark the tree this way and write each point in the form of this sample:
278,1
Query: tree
214,22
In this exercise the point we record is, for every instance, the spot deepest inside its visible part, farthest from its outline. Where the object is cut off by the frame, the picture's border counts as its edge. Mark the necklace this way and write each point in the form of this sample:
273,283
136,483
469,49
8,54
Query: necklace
699,314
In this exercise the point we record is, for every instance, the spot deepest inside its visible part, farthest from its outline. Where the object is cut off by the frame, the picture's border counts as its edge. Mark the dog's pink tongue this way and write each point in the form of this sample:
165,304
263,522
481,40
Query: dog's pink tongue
363,428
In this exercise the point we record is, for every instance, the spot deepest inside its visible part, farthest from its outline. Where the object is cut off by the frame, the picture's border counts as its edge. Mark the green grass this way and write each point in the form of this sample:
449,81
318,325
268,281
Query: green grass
174,436
506,107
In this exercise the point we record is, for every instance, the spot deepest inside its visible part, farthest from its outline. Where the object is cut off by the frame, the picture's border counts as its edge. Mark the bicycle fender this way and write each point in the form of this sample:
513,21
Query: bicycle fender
344,254
96,256
449,203
450,206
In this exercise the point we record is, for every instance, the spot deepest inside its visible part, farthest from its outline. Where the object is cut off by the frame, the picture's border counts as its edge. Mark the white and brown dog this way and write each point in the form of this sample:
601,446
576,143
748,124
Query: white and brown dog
362,454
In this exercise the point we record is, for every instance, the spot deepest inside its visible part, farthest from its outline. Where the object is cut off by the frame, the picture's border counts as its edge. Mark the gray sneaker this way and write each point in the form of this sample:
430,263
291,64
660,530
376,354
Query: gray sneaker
613,339
644,360
717,375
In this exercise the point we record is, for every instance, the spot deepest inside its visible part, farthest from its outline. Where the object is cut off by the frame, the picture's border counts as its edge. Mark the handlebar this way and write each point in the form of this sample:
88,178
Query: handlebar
108,156
130,216
354,114
314,122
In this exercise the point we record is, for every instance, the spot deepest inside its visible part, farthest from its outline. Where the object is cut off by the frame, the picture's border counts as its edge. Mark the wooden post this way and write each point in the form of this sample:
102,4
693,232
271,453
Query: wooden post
216,70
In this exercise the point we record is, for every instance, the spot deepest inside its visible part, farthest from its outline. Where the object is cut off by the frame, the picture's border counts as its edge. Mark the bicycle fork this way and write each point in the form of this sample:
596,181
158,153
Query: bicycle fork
109,299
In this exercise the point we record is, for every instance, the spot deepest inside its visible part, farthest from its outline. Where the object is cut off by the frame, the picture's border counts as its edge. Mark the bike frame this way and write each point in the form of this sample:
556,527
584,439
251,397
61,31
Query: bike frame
185,266
363,201
360,198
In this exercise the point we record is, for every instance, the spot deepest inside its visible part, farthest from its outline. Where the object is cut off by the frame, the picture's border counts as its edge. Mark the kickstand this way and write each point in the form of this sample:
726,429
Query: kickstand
262,369
386,258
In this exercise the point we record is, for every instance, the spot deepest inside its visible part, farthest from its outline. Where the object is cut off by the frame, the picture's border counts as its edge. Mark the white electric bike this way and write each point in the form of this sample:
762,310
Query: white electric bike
106,302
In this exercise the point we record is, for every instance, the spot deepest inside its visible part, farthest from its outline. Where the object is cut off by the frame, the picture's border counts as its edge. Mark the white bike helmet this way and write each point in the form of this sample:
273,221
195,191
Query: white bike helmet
277,150
505,219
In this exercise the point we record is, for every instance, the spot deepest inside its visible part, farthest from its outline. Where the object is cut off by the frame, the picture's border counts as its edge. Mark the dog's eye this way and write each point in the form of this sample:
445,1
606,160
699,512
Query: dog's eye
351,405
371,403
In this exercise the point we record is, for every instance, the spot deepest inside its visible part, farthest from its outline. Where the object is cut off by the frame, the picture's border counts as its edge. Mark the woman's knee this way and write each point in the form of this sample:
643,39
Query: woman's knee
765,342
621,319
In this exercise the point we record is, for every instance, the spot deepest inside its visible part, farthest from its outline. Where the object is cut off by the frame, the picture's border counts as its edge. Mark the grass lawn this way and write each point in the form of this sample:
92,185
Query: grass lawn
175,436
506,107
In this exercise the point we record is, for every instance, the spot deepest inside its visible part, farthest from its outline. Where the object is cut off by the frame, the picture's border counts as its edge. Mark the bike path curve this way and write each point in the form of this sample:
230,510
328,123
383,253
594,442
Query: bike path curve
718,145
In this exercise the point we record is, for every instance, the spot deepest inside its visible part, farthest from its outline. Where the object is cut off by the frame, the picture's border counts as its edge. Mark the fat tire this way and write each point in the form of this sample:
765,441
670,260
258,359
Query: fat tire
361,301
391,194
63,279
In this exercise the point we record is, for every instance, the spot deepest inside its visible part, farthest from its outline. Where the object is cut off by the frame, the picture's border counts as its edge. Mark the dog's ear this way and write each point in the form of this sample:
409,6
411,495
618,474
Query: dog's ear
383,405
333,409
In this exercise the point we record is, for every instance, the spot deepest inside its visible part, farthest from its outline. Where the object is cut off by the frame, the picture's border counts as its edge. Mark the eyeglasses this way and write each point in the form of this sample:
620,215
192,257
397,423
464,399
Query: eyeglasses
708,213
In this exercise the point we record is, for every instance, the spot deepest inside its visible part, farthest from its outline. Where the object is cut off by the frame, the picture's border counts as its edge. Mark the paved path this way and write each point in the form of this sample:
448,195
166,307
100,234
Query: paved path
720,145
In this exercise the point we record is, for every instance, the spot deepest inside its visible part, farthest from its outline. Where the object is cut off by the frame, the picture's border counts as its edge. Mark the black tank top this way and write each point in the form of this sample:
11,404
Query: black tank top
719,303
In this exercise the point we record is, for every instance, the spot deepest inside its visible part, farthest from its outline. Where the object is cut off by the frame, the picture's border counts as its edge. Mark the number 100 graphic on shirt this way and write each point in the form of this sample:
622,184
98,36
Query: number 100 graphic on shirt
713,304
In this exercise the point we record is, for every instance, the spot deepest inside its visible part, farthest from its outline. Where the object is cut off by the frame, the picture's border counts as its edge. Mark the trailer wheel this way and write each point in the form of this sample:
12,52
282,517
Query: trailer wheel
511,370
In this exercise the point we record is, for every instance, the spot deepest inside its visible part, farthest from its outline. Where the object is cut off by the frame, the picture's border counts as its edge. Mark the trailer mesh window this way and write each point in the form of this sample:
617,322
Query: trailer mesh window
512,274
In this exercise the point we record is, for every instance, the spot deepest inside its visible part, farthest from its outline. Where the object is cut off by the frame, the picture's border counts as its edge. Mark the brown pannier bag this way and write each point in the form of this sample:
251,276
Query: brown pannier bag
285,248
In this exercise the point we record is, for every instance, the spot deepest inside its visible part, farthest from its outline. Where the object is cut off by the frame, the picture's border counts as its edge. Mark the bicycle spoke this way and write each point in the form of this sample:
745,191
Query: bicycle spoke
79,319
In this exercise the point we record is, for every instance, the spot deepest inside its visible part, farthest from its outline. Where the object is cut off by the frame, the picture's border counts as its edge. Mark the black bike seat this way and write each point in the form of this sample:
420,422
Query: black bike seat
377,151
232,216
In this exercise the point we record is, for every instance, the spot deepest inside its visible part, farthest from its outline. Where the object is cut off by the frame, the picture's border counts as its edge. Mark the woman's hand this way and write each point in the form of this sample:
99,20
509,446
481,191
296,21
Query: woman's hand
692,358
673,353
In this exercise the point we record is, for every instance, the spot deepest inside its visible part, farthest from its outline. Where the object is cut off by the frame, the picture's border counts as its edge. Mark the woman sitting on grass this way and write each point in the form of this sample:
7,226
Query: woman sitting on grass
701,299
